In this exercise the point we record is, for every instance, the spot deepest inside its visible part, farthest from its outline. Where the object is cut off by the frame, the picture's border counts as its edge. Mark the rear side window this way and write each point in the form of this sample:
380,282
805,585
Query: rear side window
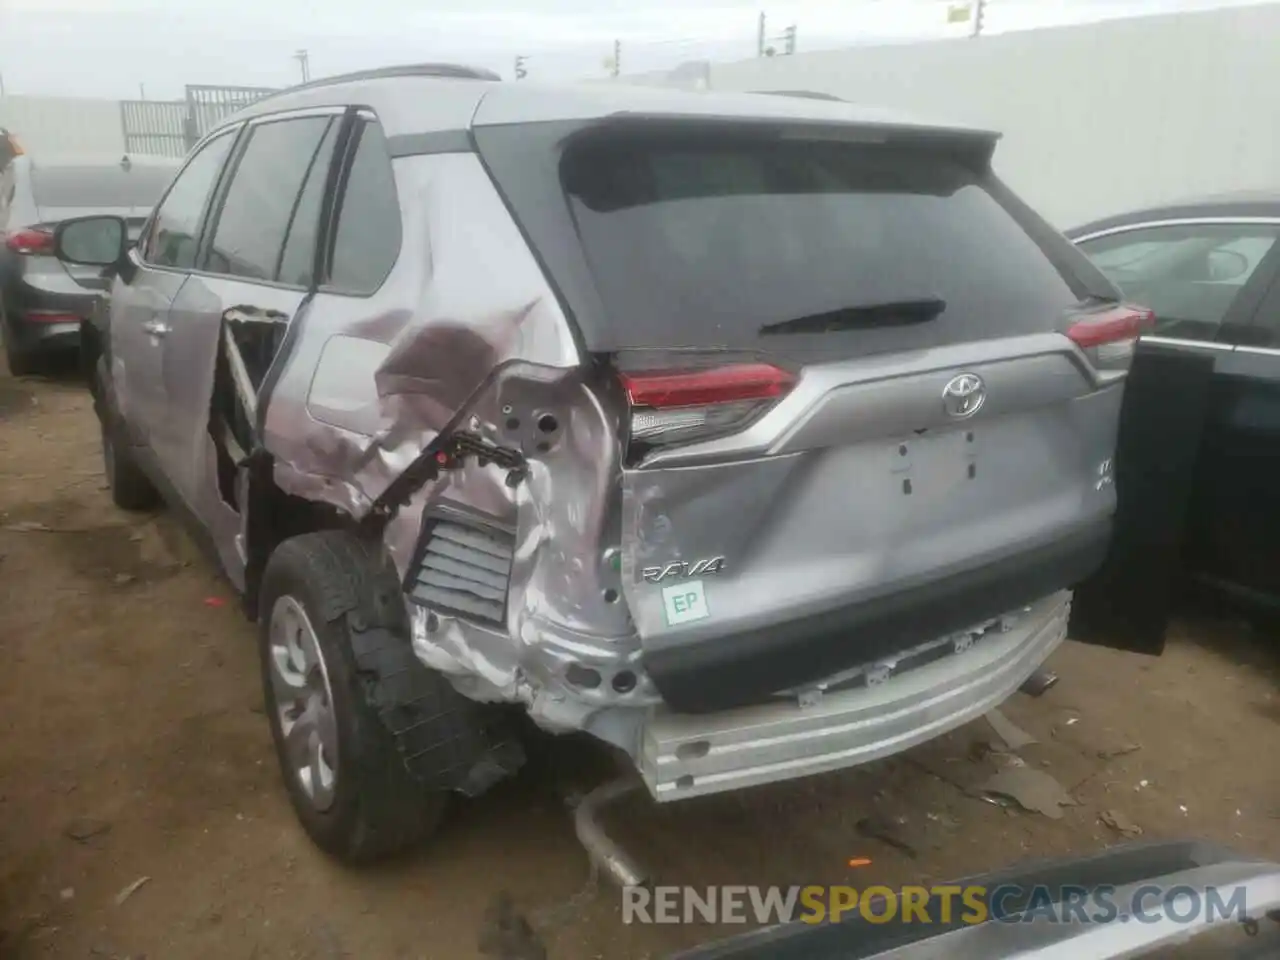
264,196
367,240
175,228
846,248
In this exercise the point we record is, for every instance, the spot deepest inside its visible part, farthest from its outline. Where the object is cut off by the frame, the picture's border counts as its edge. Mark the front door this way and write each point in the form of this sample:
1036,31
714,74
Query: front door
1204,280
1126,604
1236,505
140,301
148,285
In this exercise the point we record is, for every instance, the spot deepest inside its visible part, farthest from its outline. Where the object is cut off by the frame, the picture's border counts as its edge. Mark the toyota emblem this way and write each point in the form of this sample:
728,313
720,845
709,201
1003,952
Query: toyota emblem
964,395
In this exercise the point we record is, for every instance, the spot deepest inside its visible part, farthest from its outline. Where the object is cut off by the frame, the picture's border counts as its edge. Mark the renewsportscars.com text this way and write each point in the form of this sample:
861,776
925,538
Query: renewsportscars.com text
938,904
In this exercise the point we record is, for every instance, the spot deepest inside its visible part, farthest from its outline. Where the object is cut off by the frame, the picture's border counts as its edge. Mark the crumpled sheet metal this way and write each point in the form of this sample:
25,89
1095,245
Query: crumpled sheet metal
482,346
565,602
464,299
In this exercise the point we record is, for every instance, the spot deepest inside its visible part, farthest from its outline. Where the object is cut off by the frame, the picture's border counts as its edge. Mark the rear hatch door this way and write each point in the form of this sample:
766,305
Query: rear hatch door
857,423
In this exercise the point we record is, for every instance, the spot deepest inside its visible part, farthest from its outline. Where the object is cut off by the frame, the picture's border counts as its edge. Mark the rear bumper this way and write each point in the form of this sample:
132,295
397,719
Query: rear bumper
29,336
747,668
37,319
687,755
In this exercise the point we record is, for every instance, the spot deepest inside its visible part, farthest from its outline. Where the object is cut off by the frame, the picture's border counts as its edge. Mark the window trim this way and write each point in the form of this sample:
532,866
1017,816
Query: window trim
1177,222
214,215
334,126
235,131
361,117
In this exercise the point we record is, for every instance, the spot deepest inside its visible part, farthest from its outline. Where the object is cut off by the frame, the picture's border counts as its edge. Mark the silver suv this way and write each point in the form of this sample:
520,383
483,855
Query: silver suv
756,436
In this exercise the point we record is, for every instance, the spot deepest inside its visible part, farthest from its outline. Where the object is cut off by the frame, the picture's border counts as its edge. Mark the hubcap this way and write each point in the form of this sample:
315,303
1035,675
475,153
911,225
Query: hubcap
303,701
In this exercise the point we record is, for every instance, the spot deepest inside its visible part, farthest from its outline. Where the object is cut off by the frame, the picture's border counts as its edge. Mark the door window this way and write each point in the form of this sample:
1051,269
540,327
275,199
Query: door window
1190,275
265,198
175,228
367,241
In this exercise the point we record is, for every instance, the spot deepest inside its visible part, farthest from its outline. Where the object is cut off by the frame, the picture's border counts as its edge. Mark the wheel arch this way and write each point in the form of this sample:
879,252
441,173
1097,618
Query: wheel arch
272,516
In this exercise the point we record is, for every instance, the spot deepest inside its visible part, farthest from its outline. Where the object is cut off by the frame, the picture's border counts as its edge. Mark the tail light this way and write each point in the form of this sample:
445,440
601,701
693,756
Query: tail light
1109,336
670,407
30,242
50,316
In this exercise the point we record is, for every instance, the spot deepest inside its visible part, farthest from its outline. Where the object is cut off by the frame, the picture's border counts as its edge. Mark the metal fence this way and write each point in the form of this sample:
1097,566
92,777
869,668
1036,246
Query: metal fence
154,127
207,106
171,127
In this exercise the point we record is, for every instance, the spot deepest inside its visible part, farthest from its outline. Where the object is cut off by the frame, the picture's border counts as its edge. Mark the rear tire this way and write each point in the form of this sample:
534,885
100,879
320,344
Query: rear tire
346,774
131,489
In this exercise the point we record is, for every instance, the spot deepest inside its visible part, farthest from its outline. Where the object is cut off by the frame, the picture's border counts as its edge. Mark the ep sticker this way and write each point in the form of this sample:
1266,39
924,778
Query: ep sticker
684,603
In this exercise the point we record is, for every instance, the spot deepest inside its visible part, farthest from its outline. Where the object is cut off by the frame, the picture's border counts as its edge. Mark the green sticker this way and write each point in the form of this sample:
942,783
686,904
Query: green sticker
684,603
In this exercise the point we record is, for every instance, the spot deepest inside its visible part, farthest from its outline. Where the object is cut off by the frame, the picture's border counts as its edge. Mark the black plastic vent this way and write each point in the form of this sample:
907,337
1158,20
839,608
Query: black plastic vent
463,568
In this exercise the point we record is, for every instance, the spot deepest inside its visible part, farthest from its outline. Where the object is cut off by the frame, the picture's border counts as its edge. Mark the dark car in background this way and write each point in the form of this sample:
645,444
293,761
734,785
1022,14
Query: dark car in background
42,300
1210,270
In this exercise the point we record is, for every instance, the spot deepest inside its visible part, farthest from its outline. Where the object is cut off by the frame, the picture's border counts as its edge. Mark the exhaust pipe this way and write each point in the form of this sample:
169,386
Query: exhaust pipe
1039,683
603,852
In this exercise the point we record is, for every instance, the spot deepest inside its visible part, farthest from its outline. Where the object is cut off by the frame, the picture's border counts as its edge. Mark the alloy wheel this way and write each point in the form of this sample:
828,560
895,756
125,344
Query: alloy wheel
303,702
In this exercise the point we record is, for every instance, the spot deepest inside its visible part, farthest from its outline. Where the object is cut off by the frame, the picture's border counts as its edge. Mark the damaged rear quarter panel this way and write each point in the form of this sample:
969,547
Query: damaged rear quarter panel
464,298
466,336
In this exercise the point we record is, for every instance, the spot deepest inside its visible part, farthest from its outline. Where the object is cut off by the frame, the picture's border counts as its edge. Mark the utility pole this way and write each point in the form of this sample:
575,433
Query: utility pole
789,40
760,36
304,63
979,9
521,72
142,91
617,57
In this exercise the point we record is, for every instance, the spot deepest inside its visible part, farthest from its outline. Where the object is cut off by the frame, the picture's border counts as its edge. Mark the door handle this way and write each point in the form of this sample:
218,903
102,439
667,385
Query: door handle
246,313
157,328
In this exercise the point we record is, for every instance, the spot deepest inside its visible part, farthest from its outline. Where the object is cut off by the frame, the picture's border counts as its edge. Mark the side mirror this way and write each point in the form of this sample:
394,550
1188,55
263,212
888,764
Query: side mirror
99,241
1227,265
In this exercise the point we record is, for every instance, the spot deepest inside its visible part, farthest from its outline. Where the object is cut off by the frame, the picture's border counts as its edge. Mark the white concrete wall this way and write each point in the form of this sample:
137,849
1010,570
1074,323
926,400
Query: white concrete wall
1096,119
63,125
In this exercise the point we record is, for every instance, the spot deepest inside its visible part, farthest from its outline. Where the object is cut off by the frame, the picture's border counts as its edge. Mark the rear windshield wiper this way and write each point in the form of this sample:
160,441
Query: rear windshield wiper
893,313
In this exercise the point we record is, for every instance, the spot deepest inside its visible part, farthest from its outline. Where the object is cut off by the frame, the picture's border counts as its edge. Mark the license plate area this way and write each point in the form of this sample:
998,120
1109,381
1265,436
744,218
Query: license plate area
933,463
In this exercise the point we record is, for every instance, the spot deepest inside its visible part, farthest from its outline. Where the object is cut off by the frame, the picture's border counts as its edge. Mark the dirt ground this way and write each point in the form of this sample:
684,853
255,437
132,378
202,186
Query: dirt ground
134,747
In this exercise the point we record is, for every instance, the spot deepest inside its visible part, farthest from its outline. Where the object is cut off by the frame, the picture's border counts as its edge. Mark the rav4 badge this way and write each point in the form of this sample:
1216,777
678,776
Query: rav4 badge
682,568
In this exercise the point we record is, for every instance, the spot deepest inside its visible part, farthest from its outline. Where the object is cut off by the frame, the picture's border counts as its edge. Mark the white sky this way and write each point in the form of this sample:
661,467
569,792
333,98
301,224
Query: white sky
108,48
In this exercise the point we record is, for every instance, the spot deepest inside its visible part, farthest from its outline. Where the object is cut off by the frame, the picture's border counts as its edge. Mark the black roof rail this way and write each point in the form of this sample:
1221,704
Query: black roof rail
807,94
450,71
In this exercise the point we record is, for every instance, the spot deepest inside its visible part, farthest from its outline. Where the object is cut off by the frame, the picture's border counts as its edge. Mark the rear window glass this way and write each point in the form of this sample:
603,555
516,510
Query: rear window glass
96,186
875,247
